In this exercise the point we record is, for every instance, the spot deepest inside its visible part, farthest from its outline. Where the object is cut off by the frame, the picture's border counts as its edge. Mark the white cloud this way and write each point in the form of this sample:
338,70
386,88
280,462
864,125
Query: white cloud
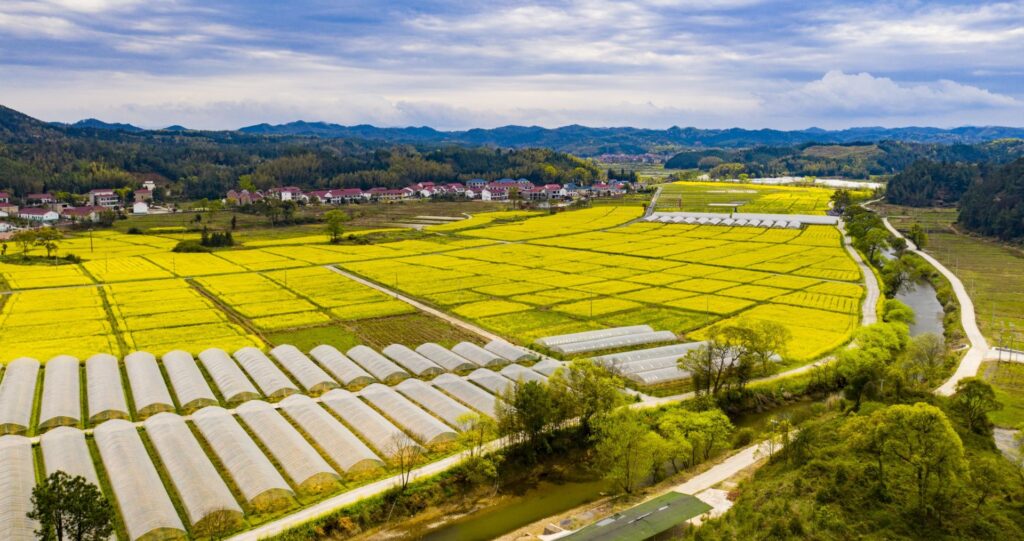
865,94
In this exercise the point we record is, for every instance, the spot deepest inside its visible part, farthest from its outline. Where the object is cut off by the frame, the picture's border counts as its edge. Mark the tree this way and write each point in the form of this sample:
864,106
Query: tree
49,239
515,197
973,401
899,275
335,224
705,432
621,448
525,414
872,242
709,365
583,390
404,454
71,508
894,311
840,200
918,236
26,239
475,430
763,341
917,450
925,357
107,217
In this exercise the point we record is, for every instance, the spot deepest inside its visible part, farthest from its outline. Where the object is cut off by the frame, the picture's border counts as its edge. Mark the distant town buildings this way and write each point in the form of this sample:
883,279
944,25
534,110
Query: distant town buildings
496,190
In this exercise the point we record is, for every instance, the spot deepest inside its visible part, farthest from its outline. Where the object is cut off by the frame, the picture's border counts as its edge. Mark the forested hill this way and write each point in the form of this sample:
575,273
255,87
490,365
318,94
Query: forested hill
856,160
588,141
994,205
37,156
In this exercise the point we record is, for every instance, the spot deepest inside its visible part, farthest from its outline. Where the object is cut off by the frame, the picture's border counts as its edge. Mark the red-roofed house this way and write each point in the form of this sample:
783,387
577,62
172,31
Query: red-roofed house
5,197
37,214
82,214
39,199
143,195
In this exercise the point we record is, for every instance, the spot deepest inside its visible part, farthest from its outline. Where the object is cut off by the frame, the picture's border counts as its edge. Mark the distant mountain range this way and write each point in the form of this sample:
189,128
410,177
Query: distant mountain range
588,141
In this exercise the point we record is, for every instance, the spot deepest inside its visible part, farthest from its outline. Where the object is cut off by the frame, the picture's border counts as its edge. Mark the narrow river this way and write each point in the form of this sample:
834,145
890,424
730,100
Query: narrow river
928,314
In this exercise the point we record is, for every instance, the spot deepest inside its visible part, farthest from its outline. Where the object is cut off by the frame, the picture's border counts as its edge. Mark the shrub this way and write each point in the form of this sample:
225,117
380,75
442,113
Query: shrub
190,246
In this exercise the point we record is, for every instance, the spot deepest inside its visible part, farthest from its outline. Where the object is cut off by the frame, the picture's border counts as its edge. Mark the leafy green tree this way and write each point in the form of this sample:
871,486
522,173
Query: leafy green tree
335,220
899,275
918,452
525,414
621,448
925,357
71,508
583,390
705,432
918,236
973,401
49,239
873,242
26,239
894,311
475,430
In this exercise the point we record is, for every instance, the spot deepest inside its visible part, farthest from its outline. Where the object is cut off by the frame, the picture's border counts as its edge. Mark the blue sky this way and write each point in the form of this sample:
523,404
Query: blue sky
462,64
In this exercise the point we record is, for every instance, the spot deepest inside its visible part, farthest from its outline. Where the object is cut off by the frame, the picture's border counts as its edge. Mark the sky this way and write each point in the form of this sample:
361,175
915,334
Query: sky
210,64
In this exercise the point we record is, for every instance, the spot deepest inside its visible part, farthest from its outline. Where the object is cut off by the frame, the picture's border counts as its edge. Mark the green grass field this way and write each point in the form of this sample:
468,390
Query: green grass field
990,270
1008,381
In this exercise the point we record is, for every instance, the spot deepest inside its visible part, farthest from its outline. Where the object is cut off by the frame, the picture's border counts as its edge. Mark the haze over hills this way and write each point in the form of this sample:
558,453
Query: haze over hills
591,141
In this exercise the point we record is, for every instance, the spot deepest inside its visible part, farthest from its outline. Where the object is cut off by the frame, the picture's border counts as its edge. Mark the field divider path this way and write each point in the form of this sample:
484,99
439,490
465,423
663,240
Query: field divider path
868,314
418,305
971,362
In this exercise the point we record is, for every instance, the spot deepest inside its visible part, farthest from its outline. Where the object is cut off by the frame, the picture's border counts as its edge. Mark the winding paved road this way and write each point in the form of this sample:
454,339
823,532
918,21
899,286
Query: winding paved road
971,362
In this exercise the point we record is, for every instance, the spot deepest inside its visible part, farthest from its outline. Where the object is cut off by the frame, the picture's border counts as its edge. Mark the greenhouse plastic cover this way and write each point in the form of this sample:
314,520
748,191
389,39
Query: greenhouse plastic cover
298,458
444,358
518,373
18,392
490,380
139,492
340,444
270,379
376,364
308,374
585,336
615,342
19,478
547,366
62,391
408,415
675,350
229,378
412,361
103,390
372,426
343,368
659,376
467,393
251,470
200,487
508,351
147,383
434,401
64,449
479,355
189,384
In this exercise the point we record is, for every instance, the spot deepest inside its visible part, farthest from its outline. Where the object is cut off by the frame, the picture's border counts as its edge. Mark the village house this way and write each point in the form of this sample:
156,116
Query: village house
103,197
37,214
143,195
39,199
140,207
287,193
5,197
82,214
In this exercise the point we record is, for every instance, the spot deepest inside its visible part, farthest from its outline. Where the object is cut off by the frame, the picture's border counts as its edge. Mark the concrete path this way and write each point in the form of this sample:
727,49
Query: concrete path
725,469
654,202
418,305
868,314
979,350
